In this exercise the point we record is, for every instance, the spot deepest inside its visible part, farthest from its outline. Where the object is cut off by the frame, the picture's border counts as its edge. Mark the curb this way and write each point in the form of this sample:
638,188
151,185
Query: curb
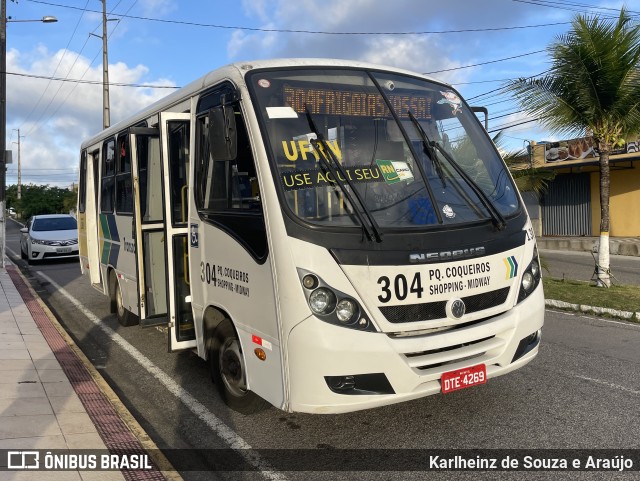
165,469
625,315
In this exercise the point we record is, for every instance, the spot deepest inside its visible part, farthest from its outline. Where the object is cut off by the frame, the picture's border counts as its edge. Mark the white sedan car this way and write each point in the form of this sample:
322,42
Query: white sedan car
51,236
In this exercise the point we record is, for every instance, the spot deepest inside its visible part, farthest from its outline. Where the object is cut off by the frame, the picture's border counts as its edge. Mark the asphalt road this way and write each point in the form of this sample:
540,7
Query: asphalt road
581,266
581,392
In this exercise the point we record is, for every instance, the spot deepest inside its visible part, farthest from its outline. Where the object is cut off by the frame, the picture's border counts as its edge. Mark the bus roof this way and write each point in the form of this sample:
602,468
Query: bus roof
233,72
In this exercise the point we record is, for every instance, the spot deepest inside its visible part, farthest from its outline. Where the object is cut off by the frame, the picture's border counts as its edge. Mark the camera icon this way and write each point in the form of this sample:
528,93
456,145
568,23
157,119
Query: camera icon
23,460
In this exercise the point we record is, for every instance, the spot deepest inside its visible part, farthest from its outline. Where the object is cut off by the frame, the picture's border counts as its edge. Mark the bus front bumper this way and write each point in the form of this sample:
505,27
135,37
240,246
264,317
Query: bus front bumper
334,369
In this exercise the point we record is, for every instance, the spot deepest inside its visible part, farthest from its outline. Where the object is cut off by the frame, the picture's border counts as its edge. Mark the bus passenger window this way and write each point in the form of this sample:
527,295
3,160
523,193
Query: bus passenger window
226,184
226,190
178,169
82,188
108,171
124,185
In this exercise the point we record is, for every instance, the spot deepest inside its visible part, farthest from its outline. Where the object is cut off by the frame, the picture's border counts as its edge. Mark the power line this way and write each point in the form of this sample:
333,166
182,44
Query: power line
573,7
504,127
92,82
70,169
57,67
313,32
484,81
484,63
120,84
85,73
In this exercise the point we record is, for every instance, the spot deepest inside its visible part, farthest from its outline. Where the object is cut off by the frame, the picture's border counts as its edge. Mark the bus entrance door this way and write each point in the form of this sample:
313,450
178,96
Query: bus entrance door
175,140
149,225
161,166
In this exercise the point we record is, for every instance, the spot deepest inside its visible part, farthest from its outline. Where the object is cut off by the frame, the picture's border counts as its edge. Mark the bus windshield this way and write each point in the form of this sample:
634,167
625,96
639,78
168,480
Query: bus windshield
351,147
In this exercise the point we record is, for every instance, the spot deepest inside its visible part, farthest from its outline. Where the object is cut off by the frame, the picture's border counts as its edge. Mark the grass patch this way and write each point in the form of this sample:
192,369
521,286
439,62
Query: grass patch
622,298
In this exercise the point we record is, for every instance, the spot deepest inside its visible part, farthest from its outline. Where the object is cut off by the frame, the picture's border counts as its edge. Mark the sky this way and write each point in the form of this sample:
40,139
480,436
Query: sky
54,70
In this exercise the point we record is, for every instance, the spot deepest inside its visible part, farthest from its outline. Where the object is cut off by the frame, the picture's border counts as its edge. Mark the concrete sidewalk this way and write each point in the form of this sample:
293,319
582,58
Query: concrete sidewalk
49,398
623,246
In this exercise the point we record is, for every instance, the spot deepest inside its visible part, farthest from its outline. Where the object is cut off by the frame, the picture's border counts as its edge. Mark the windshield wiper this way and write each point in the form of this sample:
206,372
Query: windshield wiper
428,148
433,147
496,216
370,228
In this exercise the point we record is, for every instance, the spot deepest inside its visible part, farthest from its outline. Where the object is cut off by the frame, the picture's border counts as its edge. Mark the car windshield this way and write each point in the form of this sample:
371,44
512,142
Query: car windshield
376,132
54,223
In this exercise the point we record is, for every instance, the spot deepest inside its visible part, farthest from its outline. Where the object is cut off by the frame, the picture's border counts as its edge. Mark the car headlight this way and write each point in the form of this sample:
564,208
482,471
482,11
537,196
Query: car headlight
38,241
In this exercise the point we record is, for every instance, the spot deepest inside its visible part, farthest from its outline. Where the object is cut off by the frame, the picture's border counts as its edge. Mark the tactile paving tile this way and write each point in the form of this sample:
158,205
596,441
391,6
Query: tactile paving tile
113,431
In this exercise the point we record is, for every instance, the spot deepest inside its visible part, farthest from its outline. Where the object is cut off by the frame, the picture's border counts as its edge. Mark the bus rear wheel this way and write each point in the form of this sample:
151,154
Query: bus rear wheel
228,371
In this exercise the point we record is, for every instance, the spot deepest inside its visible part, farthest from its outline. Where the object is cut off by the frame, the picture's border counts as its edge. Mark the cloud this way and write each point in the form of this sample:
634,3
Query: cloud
419,52
158,8
55,117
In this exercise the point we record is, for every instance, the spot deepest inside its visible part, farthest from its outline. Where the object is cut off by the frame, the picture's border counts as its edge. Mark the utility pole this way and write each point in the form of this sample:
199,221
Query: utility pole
3,126
106,115
19,174
3,117
106,110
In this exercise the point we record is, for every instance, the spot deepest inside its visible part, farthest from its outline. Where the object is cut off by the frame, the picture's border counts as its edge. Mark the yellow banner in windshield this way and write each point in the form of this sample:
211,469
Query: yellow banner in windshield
355,103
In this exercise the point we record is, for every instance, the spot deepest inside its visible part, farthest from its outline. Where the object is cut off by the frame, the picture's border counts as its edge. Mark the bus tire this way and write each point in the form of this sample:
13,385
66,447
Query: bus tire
125,318
112,292
228,371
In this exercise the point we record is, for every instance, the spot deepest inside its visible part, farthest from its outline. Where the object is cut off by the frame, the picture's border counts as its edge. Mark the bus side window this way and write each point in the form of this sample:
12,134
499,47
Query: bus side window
124,185
226,190
178,143
227,184
108,181
82,188
244,183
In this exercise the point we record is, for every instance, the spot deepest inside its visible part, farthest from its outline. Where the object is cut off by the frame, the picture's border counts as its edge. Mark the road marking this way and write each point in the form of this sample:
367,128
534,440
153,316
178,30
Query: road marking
629,323
228,435
608,384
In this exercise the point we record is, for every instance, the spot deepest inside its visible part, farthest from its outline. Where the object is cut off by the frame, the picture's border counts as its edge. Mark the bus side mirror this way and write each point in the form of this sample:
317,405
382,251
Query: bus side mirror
223,141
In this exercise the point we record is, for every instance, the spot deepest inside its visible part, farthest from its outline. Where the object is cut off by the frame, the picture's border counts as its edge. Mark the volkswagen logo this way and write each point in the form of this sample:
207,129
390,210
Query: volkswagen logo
456,308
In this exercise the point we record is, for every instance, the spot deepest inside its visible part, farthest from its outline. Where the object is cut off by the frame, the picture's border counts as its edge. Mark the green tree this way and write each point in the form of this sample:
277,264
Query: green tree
40,199
70,199
593,84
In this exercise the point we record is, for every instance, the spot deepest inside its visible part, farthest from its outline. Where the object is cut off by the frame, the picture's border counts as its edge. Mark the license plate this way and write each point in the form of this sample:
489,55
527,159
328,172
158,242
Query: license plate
463,378
63,250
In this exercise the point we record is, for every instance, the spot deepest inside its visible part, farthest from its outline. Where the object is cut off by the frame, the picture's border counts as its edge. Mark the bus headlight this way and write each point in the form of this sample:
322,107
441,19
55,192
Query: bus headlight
535,268
331,305
527,281
530,278
345,310
322,301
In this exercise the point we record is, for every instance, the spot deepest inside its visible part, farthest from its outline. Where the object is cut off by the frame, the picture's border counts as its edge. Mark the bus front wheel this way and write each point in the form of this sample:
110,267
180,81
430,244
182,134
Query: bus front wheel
228,371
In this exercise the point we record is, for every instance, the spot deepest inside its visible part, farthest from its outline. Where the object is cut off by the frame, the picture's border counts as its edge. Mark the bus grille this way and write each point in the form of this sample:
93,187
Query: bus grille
439,360
428,311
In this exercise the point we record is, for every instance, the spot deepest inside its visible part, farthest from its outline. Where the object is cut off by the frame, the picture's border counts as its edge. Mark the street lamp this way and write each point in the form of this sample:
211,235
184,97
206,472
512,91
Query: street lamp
3,116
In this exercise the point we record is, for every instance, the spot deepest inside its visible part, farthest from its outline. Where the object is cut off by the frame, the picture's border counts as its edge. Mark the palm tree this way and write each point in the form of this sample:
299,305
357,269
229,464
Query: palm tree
593,84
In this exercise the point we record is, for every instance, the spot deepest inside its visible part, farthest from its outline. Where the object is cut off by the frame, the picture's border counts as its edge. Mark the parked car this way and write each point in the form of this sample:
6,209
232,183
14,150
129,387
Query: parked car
51,236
